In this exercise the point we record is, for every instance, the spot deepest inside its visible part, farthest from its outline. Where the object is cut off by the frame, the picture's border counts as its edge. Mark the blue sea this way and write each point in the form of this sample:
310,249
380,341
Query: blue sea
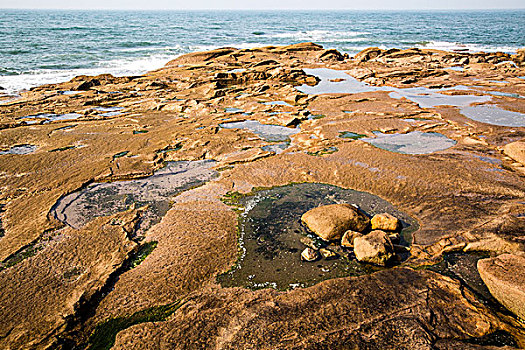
47,46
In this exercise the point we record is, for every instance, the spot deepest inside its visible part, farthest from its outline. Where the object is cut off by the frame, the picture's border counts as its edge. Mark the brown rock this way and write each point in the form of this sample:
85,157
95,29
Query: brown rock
331,55
374,248
516,150
347,240
327,254
200,57
309,254
519,57
384,221
505,278
368,54
330,221
308,46
386,310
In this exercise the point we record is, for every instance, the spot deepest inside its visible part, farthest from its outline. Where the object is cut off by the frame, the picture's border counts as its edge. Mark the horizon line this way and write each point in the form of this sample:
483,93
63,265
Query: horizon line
264,9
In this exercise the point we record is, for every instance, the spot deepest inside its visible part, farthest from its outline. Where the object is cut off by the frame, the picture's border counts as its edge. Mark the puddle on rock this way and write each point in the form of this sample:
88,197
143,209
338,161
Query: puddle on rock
335,81
237,70
277,148
494,115
270,234
504,94
53,117
69,92
109,111
455,68
156,191
273,133
277,103
20,149
415,142
233,110
350,135
426,98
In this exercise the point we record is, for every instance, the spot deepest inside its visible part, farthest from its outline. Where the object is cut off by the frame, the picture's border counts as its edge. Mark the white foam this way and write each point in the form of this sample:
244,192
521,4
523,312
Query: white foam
449,46
119,67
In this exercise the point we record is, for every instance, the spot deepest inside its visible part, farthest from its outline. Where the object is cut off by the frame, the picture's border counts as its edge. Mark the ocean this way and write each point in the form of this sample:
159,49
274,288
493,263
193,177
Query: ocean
48,46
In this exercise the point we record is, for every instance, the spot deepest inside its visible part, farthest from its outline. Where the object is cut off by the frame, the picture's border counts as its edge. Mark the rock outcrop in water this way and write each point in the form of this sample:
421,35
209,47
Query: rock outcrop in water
375,248
103,285
330,222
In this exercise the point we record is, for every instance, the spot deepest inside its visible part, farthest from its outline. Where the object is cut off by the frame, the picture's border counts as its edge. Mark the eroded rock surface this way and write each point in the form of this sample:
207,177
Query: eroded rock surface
466,194
393,309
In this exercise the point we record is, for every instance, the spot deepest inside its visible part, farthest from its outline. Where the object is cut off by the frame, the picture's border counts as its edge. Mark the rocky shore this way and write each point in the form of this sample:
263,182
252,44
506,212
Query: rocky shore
123,200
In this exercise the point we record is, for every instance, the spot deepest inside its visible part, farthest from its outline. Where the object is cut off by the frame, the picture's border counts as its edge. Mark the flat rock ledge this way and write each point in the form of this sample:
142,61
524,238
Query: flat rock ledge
505,278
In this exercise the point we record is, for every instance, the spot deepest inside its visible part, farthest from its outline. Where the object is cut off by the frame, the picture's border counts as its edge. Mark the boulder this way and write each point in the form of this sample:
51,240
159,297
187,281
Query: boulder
385,222
368,54
505,278
309,254
348,238
331,55
330,222
374,248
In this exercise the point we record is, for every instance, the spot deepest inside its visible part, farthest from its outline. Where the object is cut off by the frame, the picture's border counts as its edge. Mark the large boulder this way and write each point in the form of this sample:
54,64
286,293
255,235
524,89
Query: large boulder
505,278
375,248
330,222
385,222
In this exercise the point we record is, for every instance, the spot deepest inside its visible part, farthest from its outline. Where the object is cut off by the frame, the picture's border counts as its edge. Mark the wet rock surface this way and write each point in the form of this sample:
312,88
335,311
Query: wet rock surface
451,131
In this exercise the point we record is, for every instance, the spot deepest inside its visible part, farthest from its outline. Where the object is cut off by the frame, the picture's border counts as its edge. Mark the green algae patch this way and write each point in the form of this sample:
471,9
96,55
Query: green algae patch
120,154
62,149
169,149
324,151
105,334
135,132
28,251
141,254
350,135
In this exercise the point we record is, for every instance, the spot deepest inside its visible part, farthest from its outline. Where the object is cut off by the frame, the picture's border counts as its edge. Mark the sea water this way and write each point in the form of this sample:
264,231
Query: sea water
48,46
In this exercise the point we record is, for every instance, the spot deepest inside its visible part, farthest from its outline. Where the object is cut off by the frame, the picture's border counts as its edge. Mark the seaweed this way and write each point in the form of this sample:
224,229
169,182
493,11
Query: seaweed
328,150
104,335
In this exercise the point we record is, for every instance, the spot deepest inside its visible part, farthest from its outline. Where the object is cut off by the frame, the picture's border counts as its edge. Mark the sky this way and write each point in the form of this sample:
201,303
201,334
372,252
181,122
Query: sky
264,4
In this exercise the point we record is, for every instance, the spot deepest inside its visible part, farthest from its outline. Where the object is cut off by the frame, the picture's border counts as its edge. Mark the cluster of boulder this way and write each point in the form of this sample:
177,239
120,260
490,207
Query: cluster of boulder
372,240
